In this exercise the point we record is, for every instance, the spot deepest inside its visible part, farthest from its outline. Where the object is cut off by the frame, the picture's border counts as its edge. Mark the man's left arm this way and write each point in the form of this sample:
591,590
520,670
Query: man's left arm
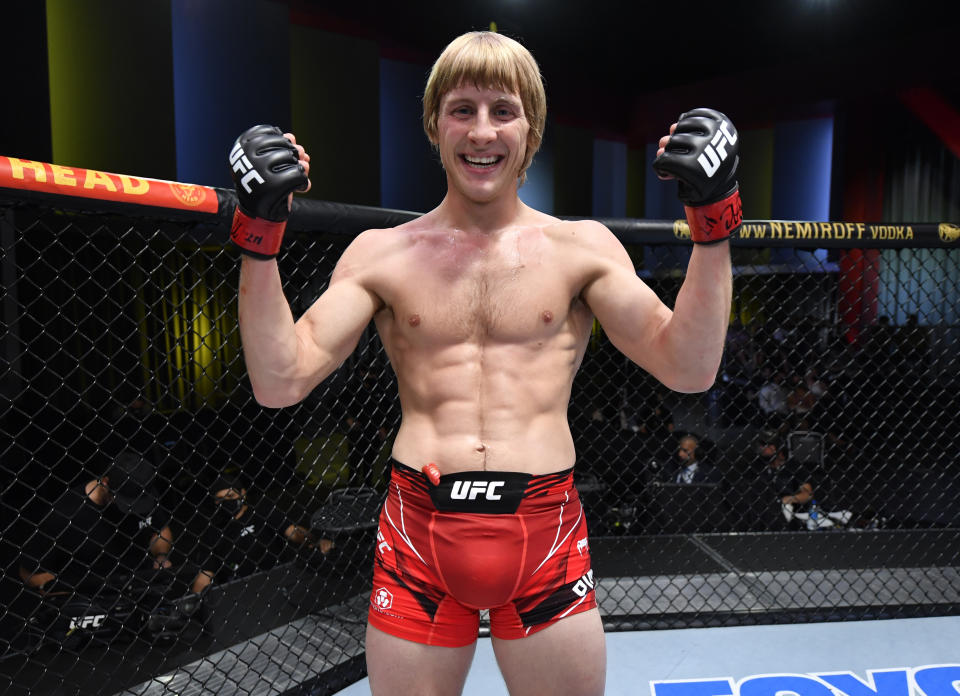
682,347
702,152
694,336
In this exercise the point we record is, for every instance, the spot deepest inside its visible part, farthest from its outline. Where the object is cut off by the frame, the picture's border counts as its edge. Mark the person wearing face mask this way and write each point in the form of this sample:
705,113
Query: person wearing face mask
110,525
245,536
772,481
101,551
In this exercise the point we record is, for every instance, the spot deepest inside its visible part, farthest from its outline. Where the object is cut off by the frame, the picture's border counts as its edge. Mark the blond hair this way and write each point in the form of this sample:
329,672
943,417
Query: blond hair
488,60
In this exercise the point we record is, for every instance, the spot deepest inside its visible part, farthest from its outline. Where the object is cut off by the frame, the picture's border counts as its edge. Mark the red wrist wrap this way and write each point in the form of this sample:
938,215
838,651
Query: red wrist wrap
255,236
715,222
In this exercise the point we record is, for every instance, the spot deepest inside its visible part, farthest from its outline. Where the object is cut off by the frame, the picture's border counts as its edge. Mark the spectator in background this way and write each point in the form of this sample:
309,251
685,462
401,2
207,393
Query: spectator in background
801,402
246,536
691,465
817,385
110,525
766,484
772,400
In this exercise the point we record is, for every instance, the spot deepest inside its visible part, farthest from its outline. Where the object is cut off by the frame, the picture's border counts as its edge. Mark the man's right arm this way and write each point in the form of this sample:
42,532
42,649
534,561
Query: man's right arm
285,360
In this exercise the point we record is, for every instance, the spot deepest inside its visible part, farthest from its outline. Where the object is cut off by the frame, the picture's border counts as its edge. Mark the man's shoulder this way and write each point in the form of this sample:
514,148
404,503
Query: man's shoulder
594,229
585,239
377,245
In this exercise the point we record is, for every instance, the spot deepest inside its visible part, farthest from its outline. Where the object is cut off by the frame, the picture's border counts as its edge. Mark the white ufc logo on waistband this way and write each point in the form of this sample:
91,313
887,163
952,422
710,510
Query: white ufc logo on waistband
716,151
470,490
241,164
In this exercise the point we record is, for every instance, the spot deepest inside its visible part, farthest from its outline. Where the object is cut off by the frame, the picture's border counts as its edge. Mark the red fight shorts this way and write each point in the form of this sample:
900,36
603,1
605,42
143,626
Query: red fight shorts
513,543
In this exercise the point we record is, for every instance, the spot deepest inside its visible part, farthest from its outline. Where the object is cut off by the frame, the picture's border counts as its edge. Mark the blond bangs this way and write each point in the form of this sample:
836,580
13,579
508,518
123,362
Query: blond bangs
488,61
486,66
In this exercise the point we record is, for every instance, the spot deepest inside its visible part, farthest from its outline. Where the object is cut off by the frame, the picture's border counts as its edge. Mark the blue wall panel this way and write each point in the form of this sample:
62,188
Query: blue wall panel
538,190
411,177
609,178
801,169
661,196
802,160
231,70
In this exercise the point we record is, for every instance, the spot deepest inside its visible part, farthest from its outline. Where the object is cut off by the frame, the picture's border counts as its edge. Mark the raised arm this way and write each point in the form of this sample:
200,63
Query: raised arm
680,347
683,347
285,360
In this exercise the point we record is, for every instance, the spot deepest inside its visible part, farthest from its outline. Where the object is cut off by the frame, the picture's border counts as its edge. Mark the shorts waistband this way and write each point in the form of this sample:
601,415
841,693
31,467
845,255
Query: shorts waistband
485,492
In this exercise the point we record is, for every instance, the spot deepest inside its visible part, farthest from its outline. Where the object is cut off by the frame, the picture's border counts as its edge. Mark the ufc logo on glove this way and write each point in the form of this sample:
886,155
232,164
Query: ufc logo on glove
716,152
702,154
241,165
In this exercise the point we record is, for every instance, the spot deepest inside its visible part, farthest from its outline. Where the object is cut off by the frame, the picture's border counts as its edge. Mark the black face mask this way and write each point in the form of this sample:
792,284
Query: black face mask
230,507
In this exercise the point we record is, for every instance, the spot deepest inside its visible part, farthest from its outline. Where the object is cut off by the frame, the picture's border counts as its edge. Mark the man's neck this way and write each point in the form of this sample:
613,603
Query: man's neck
483,218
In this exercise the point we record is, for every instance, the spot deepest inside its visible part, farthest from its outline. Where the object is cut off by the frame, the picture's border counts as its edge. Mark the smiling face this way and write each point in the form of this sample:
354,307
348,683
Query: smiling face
482,140
487,61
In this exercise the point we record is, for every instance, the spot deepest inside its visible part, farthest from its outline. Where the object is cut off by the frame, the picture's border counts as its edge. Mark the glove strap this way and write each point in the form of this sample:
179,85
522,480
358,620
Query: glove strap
715,222
256,237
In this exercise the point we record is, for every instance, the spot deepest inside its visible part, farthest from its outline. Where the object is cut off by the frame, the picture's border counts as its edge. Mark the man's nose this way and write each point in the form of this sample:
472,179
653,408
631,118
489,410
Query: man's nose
483,130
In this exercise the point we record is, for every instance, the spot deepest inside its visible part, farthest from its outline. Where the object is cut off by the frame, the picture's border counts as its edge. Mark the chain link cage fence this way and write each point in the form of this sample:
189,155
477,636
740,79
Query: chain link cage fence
816,480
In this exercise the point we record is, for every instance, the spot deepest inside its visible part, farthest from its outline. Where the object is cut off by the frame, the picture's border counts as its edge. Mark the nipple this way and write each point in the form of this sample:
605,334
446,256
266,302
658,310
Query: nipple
414,320
547,316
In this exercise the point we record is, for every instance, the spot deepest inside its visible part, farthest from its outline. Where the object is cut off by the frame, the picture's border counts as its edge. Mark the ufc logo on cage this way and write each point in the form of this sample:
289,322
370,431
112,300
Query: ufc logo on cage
716,152
469,490
241,165
95,621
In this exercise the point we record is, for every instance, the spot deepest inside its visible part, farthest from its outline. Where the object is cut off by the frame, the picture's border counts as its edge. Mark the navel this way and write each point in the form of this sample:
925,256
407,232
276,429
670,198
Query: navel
414,320
547,316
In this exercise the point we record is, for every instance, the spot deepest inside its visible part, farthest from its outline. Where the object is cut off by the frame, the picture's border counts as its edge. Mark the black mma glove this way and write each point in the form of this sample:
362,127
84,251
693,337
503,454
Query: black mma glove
266,168
703,154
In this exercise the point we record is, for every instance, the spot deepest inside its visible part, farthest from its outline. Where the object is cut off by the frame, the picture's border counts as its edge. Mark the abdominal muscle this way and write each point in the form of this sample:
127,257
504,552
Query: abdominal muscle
478,406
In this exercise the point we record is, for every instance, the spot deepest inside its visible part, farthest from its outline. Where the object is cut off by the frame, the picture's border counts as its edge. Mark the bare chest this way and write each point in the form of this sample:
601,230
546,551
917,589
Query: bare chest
505,293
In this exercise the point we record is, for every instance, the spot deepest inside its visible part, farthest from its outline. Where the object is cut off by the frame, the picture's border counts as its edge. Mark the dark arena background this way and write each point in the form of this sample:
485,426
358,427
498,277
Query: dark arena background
120,353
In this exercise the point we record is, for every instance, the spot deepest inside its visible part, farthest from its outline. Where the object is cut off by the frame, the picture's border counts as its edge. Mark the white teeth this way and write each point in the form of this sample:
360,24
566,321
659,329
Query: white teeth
480,160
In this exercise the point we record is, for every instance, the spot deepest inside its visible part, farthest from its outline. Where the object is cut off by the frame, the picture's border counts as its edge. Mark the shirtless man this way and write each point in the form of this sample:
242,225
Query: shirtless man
484,307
